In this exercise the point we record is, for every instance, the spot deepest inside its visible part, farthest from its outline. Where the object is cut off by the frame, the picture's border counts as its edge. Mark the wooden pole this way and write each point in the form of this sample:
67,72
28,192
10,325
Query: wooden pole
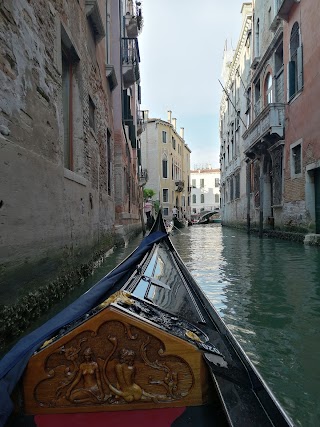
261,208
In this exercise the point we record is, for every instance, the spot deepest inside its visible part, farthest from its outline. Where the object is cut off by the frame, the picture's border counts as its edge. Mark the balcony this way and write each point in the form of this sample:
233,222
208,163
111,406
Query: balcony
131,25
140,122
284,7
133,19
269,122
130,62
143,177
179,186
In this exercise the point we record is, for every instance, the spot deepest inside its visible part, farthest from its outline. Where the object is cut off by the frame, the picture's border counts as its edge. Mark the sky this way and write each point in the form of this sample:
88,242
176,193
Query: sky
181,49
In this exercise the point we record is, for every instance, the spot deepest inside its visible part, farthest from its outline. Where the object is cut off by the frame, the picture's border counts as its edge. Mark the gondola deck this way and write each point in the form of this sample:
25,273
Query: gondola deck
153,350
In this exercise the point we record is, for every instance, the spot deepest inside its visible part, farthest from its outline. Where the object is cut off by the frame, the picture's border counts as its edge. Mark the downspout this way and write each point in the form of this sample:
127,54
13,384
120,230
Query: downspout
248,194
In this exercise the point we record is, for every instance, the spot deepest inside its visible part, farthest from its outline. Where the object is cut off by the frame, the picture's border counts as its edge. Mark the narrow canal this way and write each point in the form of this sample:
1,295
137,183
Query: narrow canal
268,293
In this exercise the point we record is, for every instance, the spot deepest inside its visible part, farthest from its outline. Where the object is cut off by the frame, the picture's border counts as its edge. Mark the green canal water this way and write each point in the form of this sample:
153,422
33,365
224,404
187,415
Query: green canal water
268,293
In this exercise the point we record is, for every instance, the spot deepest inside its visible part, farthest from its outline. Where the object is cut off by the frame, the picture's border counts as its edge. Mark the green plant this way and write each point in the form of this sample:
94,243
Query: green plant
148,193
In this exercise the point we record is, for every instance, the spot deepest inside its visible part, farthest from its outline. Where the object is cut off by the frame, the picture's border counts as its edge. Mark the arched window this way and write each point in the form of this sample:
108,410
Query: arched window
268,89
164,166
194,198
295,66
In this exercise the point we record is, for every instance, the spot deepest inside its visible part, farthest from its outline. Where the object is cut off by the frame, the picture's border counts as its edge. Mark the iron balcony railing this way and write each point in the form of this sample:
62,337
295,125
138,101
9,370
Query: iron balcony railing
130,61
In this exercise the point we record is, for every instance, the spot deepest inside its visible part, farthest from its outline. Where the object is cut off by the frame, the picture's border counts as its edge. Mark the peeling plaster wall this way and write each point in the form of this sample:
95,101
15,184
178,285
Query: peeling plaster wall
51,218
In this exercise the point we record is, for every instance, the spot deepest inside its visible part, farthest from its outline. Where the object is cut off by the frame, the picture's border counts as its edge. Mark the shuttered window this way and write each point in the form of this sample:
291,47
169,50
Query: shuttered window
295,65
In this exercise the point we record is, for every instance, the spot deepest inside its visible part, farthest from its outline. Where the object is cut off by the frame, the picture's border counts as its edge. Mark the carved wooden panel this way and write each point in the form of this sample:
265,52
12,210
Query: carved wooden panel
114,361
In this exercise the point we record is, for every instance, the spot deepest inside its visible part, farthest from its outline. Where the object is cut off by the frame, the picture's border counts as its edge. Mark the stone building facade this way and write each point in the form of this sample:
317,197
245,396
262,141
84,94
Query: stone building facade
234,122
279,143
205,190
126,107
167,159
61,86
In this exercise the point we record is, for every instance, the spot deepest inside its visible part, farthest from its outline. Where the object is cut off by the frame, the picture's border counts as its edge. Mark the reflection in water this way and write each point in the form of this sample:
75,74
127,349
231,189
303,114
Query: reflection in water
268,293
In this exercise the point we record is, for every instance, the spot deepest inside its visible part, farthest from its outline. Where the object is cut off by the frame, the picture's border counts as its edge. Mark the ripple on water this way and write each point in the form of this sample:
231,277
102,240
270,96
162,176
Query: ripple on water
268,293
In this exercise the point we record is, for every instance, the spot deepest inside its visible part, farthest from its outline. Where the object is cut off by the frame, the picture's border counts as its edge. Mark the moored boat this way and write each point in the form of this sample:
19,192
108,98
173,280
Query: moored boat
178,223
143,346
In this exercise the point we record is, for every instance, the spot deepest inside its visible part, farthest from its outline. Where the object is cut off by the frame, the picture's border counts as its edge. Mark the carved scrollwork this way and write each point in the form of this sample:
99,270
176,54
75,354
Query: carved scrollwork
119,364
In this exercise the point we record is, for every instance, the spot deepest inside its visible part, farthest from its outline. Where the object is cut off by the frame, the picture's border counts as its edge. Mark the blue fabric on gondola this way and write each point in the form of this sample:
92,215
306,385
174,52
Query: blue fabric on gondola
14,362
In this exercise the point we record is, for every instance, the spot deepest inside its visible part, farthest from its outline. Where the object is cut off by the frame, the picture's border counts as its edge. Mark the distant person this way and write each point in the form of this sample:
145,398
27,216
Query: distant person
148,208
174,212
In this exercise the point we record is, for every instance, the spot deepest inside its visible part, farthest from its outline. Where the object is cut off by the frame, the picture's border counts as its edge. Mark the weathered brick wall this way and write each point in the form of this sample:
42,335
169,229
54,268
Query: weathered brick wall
51,218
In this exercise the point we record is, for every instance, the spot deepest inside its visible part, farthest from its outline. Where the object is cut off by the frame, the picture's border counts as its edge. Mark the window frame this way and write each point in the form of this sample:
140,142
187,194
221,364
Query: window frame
164,167
293,153
164,137
165,199
268,89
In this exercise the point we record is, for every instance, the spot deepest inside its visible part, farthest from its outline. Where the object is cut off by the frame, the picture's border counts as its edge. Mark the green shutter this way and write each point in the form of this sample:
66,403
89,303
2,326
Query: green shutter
291,78
300,67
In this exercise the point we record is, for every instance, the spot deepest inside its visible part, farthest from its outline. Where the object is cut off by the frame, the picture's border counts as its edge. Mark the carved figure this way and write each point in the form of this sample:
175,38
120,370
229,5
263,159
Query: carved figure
125,373
89,373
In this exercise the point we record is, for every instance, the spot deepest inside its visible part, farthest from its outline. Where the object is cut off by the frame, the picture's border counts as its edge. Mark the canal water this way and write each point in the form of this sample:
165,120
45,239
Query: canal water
268,293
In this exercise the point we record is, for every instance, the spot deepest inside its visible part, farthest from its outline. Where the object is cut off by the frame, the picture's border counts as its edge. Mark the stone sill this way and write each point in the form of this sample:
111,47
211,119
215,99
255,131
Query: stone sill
72,176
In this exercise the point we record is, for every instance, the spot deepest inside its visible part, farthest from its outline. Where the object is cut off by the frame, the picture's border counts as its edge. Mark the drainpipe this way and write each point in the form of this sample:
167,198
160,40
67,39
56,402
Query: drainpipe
248,194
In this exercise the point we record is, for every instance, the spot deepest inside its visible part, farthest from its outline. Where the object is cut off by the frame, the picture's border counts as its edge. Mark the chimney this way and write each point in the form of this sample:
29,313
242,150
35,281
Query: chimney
169,116
182,133
174,123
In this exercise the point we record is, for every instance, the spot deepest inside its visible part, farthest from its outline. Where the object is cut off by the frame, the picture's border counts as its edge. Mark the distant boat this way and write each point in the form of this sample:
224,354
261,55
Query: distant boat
209,217
178,223
216,220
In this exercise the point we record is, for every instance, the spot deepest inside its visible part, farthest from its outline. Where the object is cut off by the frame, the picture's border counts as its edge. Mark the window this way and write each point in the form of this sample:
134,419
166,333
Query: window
164,167
257,100
216,198
237,186
194,183
164,136
295,71
92,109
296,159
231,189
248,110
194,198
165,211
268,89
67,77
202,198
238,120
173,143
216,182
165,195
201,183
109,163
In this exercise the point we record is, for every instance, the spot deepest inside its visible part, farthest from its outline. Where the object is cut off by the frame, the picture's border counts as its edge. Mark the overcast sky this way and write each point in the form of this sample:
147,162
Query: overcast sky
181,48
